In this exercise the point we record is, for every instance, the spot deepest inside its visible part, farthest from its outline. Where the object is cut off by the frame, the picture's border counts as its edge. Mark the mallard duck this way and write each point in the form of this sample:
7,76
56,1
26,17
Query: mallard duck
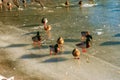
80,3
37,39
67,3
44,20
47,28
60,43
76,53
0,4
60,40
54,49
9,5
24,3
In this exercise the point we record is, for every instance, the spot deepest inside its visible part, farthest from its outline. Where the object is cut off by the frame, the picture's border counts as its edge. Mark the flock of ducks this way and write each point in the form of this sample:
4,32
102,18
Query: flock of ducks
37,39
58,47
60,41
8,5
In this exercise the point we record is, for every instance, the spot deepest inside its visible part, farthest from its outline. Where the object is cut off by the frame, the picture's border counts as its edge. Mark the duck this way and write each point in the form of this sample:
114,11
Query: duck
80,3
37,39
60,42
76,53
47,28
0,4
9,5
54,49
24,3
44,20
67,3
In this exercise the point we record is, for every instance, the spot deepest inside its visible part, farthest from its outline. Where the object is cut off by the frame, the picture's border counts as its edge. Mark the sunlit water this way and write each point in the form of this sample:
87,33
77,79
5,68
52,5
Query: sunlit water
102,20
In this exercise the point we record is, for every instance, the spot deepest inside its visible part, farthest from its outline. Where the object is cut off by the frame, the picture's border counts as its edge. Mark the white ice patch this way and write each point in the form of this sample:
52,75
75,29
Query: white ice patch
24,24
88,5
4,78
45,7
98,31
21,9
50,11
86,16
104,25
119,25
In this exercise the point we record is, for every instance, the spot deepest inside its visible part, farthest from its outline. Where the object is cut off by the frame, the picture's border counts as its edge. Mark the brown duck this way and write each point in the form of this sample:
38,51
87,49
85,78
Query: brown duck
76,53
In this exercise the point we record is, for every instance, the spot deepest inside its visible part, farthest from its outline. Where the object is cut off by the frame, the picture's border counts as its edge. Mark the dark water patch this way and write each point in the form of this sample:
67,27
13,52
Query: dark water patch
110,43
44,46
55,59
117,35
116,10
16,45
28,56
38,48
35,48
67,52
33,33
72,40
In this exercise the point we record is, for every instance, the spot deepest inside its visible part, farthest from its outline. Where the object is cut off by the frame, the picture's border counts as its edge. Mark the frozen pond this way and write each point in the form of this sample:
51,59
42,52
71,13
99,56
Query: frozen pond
101,20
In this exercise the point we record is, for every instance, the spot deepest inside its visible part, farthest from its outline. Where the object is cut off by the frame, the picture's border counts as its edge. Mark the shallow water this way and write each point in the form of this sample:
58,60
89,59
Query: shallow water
102,20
